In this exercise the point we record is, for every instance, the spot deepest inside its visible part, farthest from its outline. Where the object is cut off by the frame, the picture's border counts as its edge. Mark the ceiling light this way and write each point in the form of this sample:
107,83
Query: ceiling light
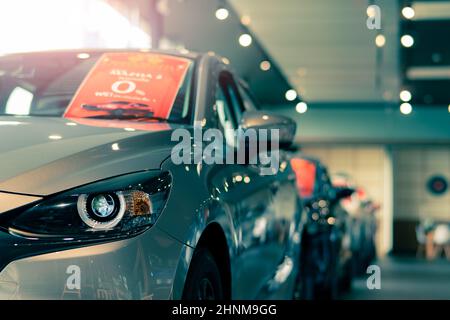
408,12
301,107
222,13
380,40
405,96
405,108
245,40
83,55
265,65
407,41
55,137
371,11
245,20
291,95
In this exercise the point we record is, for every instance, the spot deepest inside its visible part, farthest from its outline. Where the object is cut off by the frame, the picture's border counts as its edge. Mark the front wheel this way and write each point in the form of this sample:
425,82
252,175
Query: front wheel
203,281
347,276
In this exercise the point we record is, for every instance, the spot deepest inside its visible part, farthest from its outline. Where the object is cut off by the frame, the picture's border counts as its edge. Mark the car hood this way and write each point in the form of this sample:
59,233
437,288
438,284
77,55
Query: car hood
44,155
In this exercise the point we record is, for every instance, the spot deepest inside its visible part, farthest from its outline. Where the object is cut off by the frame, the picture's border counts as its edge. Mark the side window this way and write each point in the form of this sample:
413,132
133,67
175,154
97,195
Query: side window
228,107
235,101
249,101
226,122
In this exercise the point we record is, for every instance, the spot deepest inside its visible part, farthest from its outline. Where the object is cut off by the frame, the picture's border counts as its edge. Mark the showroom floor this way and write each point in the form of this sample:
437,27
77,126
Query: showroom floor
407,278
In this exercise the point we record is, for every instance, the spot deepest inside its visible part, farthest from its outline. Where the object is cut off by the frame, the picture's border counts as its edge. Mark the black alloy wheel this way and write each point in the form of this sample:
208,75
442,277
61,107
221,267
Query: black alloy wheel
203,281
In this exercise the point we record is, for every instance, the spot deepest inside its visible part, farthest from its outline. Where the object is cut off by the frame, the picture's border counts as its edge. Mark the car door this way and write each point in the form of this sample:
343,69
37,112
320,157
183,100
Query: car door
266,208
246,190
286,219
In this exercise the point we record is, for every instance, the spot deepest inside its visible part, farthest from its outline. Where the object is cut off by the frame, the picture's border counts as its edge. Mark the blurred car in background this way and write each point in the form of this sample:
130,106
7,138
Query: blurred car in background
361,211
325,255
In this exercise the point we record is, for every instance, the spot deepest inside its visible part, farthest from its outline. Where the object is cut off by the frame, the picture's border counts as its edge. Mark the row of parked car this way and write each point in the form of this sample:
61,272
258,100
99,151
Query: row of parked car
339,240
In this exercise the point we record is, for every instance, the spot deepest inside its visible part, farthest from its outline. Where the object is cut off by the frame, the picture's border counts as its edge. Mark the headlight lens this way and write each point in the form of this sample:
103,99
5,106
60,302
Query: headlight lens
102,211
115,207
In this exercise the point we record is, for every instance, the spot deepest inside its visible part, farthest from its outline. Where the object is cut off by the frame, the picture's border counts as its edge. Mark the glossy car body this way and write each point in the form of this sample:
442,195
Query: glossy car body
250,223
326,254
362,222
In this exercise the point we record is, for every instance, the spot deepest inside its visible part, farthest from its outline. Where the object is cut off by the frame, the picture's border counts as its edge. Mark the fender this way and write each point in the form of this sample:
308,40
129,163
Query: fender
191,213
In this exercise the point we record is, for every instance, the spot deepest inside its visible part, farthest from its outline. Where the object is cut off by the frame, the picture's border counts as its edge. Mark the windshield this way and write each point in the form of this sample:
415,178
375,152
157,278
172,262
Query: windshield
111,85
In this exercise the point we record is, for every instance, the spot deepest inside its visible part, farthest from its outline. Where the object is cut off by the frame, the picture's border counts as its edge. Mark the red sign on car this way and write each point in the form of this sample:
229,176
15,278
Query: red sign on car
131,83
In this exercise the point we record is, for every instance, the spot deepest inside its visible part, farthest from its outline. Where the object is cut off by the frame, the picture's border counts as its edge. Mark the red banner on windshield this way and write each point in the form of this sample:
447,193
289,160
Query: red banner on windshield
135,84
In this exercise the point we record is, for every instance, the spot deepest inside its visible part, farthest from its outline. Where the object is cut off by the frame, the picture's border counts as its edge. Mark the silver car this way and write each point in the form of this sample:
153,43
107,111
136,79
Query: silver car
92,205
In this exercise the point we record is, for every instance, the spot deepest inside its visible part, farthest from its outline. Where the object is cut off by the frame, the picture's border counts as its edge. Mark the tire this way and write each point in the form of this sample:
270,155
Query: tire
309,287
203,281
305,284
347,277
306,288
330,290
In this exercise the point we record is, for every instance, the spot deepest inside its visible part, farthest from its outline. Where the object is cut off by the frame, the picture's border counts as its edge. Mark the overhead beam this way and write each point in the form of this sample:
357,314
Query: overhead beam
363,124
428,73
431,10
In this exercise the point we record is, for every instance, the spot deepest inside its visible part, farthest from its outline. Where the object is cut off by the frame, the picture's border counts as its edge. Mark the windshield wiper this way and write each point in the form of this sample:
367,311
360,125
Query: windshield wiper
125,110
133,117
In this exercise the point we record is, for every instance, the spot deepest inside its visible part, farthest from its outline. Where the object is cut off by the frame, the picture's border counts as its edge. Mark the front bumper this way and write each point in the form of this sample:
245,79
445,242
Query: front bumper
142,267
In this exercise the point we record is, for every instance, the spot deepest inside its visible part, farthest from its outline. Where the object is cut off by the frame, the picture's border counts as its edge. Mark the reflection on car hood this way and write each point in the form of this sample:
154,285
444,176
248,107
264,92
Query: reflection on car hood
44,155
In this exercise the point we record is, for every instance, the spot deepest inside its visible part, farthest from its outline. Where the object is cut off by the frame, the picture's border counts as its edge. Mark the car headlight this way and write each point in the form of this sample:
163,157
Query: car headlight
120,206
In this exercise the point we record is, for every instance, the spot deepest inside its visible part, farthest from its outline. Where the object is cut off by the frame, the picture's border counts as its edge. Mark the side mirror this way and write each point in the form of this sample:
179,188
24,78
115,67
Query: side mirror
343,192
266,120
